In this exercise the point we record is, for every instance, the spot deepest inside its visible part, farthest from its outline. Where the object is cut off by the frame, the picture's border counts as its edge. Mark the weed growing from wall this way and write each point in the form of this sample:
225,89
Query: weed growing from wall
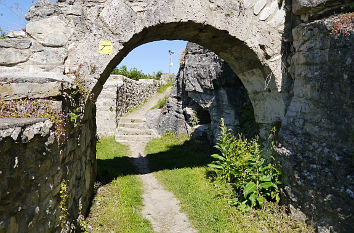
63,194
247,167
65,224
2,34
194,119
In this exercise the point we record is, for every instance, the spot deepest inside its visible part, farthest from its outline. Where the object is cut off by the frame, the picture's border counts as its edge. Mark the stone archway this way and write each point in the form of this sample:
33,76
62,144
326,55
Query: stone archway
248,41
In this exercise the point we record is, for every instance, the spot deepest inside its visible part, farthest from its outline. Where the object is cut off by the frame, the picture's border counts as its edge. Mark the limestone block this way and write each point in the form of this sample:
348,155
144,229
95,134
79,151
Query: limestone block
259,6
15,43
267,11
305,6
268,107
52,32
41,128
11,56
30,90
75,9
248,3
42,8
16,34
278,19
49,56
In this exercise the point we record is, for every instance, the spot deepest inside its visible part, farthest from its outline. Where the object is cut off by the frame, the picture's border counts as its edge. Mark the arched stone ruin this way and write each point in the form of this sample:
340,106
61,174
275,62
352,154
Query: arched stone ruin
297,73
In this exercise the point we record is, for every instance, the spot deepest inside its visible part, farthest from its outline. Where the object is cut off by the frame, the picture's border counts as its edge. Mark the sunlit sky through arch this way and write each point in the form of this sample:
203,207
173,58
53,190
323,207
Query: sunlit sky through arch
150,57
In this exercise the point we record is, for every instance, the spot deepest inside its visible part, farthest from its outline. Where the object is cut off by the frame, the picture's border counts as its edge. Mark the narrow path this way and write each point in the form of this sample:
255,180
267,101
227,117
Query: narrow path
161,208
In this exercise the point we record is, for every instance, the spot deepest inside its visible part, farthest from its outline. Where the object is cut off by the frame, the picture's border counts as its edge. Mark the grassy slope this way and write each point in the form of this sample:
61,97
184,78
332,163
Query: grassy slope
181,167
116,206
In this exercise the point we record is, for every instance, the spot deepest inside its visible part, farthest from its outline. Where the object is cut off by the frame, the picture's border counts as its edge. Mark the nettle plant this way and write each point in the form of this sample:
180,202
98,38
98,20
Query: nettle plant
247,167
34,108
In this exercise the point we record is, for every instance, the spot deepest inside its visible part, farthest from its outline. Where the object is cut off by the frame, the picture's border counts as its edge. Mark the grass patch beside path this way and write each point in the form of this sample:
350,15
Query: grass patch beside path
117,203
161,103
181,167
164,87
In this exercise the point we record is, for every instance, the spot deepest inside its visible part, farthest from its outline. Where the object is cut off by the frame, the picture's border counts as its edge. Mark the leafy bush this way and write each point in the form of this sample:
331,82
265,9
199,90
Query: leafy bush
245,166
157,75
133,73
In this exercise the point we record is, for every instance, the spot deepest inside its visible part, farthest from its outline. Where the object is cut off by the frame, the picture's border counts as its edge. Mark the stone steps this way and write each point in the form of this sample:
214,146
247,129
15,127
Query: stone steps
133,138
132,125
125,120
131,130
134,131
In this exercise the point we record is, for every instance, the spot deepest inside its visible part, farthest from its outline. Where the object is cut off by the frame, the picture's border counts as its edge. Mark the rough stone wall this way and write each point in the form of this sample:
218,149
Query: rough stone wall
316,135
33,163
205,88
134,93
118,96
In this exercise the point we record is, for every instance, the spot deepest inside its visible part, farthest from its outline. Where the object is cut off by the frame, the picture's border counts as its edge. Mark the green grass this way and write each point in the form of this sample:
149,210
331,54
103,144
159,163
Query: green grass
164,87
118,201
181,167
161,103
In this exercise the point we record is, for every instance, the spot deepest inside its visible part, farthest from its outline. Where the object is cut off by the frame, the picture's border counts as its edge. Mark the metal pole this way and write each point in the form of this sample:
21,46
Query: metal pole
171,64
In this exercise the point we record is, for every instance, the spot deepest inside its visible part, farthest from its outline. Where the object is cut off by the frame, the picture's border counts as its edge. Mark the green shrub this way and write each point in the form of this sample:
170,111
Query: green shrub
157,75
245,165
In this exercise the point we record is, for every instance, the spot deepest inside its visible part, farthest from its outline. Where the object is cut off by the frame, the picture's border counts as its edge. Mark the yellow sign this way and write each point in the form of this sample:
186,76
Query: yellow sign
105,47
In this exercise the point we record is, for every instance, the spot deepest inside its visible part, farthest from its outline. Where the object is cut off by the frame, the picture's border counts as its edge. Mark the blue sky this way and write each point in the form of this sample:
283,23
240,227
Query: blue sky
149,58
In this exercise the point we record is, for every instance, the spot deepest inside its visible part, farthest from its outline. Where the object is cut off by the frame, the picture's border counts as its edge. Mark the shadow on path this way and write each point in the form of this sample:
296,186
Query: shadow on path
187,155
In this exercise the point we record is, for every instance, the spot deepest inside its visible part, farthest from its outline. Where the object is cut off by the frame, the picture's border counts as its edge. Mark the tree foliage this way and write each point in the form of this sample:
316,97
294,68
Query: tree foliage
133,73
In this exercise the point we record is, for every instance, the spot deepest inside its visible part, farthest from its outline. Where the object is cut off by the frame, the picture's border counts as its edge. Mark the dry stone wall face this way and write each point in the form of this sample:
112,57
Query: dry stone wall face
33,163
134,93
295,71
118,96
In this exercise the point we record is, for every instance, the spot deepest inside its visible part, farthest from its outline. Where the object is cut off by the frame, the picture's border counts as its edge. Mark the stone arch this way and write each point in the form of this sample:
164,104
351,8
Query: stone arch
248,41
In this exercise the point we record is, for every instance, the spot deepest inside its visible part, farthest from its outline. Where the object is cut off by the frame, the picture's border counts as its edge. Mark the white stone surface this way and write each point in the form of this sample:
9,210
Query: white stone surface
259,6
268,10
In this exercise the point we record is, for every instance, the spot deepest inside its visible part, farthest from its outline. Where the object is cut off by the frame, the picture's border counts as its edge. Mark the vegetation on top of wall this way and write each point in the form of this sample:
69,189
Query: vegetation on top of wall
2,34
343,24
34,108
247,168
135,74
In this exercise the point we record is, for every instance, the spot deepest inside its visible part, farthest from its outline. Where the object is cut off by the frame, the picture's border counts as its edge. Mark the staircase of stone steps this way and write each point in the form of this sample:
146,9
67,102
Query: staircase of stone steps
132,130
